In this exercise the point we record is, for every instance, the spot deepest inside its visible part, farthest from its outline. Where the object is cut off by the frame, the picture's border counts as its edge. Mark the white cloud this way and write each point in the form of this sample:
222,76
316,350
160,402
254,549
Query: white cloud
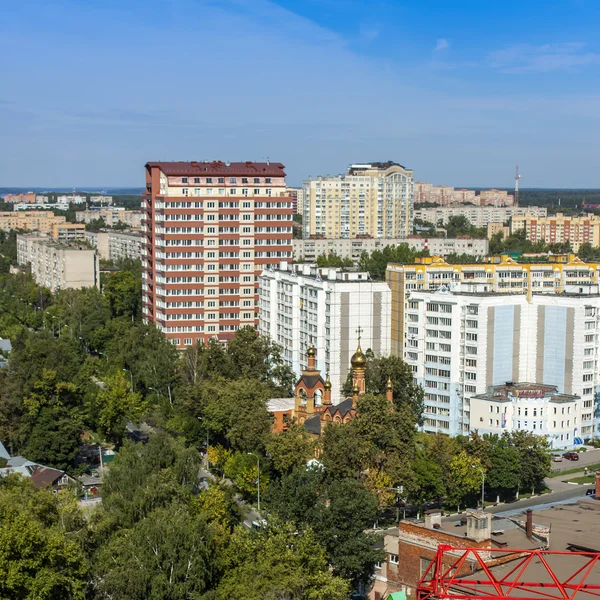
526,58
441,44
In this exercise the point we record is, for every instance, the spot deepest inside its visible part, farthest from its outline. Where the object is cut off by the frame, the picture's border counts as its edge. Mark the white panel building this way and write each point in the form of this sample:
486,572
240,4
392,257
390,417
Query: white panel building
300,304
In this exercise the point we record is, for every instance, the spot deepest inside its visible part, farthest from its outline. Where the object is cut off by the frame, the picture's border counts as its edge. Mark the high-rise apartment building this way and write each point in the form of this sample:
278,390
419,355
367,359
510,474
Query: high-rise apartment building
301,305
559,229
210,229
443,195
297,196
375,199
464,328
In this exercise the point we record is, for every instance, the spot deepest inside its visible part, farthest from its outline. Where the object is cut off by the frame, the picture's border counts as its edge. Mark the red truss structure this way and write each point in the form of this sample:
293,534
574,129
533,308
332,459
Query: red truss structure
501,574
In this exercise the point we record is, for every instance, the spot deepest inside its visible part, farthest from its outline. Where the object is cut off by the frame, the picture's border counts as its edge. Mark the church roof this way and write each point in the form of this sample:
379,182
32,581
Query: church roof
344,407
313,424
310,380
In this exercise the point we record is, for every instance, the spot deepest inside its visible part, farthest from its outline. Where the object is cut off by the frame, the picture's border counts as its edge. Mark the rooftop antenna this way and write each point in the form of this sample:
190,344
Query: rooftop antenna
517,177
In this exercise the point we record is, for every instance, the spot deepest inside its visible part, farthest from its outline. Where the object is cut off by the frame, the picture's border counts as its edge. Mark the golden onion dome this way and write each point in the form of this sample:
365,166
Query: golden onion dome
358,360
327,384
389,386
355,390
311,352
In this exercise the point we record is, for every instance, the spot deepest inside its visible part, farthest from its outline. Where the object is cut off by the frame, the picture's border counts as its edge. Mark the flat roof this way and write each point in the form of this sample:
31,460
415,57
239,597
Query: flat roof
218,167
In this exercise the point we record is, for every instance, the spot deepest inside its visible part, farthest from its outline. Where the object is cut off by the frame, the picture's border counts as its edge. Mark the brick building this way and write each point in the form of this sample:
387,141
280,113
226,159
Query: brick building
210,228
412,545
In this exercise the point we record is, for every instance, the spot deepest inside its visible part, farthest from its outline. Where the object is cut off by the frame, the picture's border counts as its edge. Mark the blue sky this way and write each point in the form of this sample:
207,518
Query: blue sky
459,91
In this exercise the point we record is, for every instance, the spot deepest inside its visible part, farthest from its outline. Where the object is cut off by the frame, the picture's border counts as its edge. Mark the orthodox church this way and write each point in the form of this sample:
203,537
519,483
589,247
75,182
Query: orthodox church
312,395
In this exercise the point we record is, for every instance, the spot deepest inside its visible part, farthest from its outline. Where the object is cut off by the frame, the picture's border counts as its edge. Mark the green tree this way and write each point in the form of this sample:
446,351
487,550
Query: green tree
276,563
333,260
405,390
465,479
40,557
534,454
123,293
168,554
290,449
116,404
504,474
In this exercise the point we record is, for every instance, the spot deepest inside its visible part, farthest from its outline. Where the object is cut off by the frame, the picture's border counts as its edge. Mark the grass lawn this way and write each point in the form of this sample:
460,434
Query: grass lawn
584,479
574,470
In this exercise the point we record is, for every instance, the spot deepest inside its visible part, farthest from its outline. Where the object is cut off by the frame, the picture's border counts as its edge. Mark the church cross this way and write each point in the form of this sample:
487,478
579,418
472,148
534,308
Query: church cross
359,331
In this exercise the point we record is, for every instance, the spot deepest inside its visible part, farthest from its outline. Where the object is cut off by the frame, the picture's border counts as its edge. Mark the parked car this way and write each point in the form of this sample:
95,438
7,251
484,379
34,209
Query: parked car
571,455
590,492
557,458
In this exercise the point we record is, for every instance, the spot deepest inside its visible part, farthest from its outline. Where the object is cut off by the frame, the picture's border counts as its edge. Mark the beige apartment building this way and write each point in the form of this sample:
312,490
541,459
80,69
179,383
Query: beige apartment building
58,266
479,216
558,229
112,216
43,221
68,232
375,200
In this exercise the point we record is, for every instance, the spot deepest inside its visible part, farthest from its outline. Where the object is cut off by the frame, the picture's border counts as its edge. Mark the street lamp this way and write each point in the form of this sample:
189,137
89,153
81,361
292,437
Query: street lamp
207,462
131,375
482,485
258,479
86,344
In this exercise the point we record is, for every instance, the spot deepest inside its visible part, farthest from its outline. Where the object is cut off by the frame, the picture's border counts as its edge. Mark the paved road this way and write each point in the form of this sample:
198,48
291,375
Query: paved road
574,492
585,458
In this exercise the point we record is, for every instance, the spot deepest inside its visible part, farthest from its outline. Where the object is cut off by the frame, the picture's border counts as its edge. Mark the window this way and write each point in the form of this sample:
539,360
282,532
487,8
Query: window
221,180
393,558
187,341
196,179
209,180
267,180
232,180
175,341
256,180
184,180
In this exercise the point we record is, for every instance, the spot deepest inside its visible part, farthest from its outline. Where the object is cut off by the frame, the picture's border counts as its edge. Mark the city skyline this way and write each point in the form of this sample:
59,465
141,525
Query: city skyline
466,94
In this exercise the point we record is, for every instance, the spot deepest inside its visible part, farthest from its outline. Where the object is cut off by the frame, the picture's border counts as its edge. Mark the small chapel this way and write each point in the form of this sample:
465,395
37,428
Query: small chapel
312,394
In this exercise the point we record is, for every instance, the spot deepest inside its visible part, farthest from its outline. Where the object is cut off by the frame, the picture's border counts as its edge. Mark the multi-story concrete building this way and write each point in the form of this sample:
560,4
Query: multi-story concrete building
108,200
443,195
58,266
479,216
71,199
309,250
297,196
68,231
43,221
111,216
39,205
116,245
211,227
303,304
27,198
559,229
534,407
463,328
374,200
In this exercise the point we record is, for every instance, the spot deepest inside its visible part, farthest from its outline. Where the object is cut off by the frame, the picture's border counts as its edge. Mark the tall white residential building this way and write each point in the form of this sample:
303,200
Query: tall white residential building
302,304
478,216
466,328
375,199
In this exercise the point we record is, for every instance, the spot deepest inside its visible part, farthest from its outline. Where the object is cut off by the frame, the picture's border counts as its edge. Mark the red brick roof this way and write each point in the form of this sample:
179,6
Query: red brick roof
218,167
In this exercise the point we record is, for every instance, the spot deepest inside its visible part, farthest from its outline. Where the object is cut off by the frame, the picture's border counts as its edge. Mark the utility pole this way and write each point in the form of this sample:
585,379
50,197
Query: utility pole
517,177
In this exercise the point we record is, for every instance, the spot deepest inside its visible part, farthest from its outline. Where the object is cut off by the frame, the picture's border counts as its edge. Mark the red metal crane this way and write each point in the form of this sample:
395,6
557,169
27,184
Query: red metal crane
501,574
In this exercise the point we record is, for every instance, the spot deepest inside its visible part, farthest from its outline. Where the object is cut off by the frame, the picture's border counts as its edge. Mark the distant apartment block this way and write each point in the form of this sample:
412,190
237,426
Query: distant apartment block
464,328
210,228
375,200
67,232
111,216
479,216
43,221
309,250
58,266
116,245
71,199
302,304
297,196
39,205
558,229
446,196
28,198
103,200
